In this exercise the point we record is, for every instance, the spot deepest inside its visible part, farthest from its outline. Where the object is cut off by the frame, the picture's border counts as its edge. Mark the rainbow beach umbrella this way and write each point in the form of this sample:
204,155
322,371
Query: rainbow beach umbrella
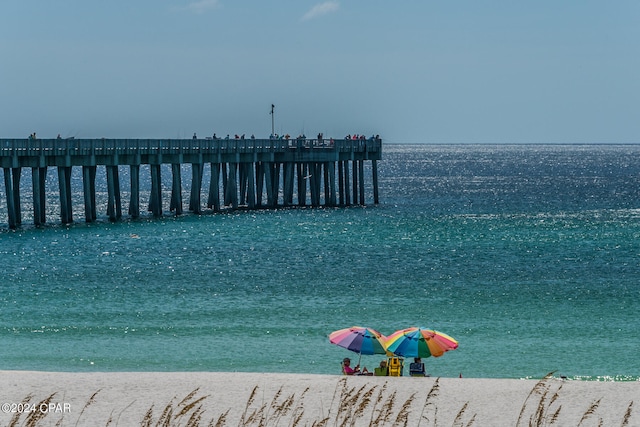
360,340
419,342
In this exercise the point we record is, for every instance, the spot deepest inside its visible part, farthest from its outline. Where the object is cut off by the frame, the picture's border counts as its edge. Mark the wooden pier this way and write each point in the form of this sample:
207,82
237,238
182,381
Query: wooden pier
252,173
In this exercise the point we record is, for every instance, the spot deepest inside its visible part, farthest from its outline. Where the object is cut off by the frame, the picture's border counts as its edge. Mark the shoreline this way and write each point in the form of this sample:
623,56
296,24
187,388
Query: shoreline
224,398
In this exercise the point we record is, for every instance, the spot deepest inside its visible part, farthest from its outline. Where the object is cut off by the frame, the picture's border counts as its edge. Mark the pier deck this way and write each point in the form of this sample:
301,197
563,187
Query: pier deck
241,170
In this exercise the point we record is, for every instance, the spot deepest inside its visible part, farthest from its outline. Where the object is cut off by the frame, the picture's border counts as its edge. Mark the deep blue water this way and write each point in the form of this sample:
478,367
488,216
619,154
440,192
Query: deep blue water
528,255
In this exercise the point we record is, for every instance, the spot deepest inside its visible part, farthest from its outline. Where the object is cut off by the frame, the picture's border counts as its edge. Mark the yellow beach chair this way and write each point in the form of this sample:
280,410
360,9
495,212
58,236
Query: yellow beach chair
395,365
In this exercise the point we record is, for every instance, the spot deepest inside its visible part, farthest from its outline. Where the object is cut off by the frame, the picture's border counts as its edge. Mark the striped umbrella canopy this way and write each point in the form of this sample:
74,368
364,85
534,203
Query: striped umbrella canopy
359,339
419,342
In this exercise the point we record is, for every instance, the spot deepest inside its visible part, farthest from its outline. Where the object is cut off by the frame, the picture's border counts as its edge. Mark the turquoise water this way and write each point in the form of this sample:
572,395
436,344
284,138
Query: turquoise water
528,255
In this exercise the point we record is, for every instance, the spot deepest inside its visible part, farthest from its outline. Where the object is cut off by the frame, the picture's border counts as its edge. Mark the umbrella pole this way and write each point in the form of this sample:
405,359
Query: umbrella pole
359,358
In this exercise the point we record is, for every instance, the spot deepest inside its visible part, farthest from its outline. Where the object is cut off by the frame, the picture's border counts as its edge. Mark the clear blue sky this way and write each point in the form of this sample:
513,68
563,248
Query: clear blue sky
432,71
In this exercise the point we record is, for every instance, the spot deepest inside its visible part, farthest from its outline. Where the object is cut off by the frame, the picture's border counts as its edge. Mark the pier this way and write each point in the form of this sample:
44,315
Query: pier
248,173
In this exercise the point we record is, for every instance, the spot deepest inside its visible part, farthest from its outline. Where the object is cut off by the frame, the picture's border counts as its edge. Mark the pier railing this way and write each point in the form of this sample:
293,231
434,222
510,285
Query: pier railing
11,148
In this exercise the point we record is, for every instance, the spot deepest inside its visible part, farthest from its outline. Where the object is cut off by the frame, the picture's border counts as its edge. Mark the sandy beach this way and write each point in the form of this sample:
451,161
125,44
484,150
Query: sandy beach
221,398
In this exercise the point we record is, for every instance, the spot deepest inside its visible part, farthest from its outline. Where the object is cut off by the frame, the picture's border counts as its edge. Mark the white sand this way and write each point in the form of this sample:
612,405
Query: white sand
123,399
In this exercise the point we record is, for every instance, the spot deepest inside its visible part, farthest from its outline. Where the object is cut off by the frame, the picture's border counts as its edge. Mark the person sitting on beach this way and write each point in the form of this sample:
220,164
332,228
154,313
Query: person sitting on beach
416,369
348,370
382,370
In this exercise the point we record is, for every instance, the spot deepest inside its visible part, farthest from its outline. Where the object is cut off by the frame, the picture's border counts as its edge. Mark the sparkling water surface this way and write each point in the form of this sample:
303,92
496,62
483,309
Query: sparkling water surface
527,255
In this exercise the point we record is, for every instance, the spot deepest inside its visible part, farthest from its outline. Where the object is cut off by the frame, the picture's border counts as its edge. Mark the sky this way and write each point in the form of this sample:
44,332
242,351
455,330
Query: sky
412,71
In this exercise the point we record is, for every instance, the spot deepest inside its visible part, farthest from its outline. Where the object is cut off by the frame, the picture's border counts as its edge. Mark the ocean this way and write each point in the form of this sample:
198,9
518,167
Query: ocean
528,255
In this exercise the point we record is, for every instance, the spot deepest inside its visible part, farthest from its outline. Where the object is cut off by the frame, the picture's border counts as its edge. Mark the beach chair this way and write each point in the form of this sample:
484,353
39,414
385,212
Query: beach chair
357,372
417,370
394,364
380,371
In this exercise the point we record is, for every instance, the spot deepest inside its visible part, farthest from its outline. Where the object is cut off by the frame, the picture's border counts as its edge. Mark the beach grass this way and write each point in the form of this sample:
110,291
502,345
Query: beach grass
351,404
